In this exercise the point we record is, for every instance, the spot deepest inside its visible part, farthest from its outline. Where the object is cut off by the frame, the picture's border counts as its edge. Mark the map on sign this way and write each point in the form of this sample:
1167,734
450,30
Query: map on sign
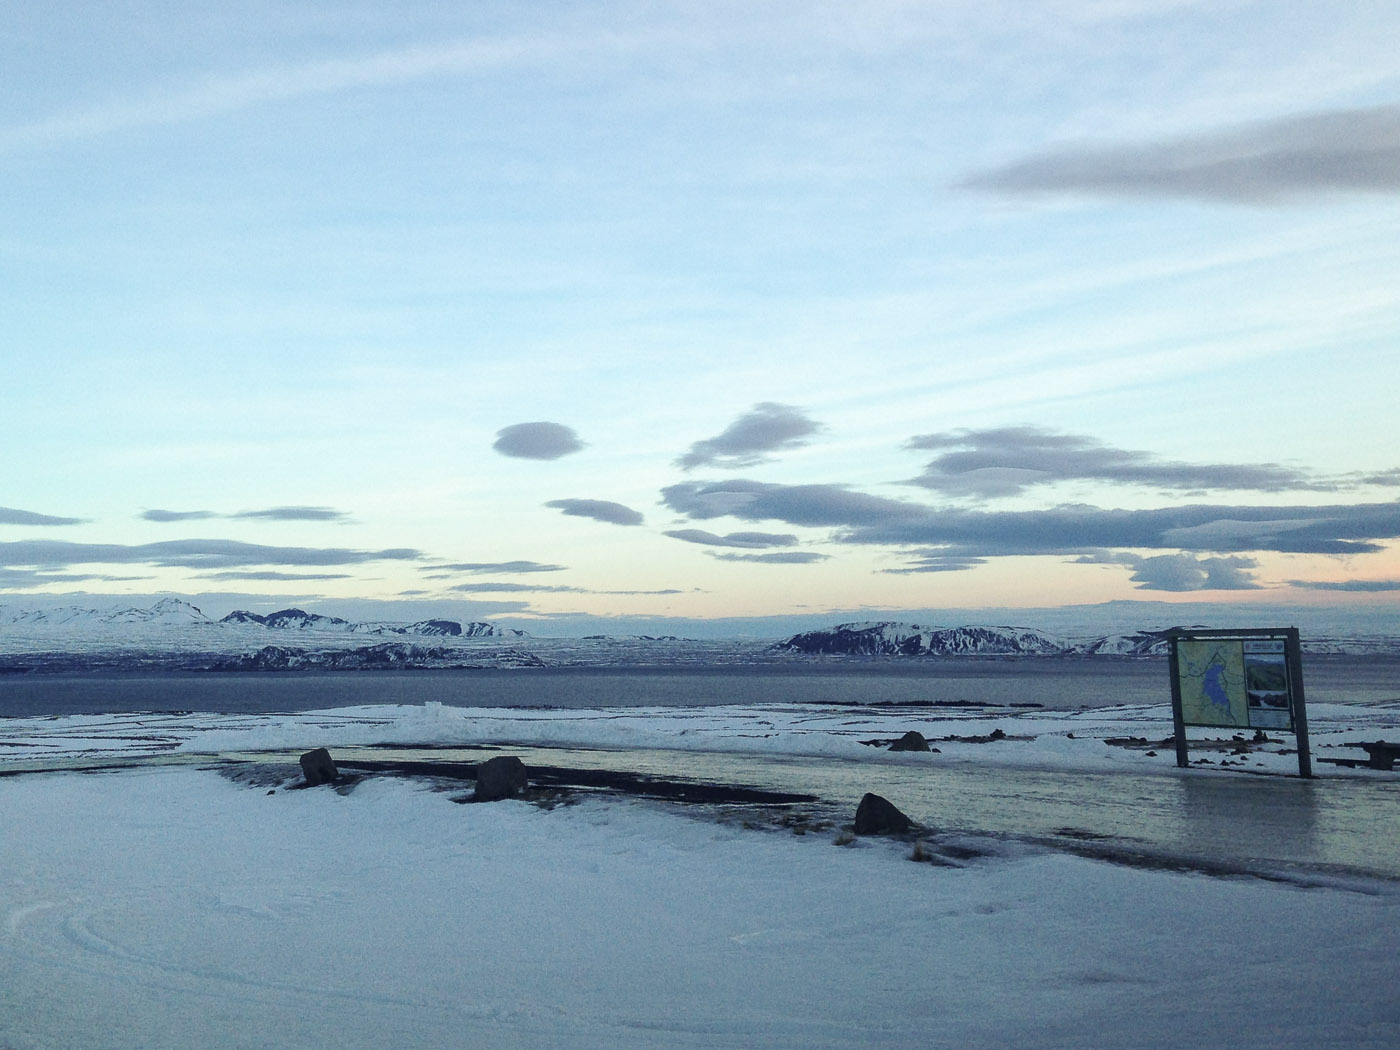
1212,676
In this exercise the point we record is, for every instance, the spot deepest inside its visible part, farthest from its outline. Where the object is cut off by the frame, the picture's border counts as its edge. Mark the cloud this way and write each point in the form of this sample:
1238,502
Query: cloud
1182,572
189,554
294,514
495,567
24,579
14,516
1359,586
598,510
532,588
515,588
1008,460
541,440
766,428
1268,162
734,539
257,87
775,558
808,505
177,515
269,514
1070,529
271,576
937,561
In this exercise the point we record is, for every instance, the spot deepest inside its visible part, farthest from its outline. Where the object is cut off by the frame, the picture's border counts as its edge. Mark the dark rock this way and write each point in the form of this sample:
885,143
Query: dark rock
879,816
500,777
317,767
910,741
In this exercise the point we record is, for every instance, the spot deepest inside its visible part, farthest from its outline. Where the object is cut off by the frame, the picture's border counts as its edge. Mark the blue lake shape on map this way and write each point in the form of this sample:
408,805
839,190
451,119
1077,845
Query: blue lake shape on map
1213,685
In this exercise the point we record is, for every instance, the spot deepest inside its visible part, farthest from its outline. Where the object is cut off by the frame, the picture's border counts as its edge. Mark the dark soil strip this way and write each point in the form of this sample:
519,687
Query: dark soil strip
562,778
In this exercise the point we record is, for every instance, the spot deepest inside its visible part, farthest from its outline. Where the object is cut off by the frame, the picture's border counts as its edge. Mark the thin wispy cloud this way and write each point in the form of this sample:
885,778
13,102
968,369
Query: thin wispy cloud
533,588
773,557
166,516
1350,151
515,588
752,438
234,92
272,576
599,510
29,579
189,554
539,440
495,568
733,539
15,516
935,561
1006,461
1352,586
294,513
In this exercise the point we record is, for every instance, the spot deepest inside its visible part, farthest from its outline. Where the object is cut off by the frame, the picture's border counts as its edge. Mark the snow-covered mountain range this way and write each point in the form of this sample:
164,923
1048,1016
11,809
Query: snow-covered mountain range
176,634
175,613
885,638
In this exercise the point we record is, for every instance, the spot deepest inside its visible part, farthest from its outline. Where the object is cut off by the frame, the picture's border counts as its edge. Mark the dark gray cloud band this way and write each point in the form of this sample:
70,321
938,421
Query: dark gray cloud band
1269,162
752,438
538,440
1006,461
1075,529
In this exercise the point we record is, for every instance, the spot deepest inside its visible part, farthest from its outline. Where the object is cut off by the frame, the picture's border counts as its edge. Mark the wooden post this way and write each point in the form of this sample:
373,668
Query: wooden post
1178,720
1294,649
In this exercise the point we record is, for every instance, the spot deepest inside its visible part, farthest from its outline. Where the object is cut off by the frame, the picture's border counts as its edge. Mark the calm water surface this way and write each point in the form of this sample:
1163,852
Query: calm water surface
1055,684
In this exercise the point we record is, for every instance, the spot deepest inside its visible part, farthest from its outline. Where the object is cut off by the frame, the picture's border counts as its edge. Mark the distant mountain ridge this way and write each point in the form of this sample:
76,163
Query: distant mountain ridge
300,620
173,612
891,638
172,625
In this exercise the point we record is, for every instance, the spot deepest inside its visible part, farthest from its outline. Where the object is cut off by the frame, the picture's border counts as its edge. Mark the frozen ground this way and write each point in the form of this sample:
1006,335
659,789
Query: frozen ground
174,907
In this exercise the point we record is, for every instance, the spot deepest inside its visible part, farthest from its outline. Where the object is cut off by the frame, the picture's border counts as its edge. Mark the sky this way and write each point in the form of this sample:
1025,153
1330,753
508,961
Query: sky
700,310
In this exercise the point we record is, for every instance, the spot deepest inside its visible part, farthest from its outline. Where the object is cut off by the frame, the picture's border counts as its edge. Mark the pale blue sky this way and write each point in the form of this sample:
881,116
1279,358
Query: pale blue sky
826,306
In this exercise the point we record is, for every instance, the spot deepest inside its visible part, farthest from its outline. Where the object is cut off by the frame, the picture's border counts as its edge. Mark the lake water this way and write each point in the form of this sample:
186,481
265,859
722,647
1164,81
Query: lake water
1056,684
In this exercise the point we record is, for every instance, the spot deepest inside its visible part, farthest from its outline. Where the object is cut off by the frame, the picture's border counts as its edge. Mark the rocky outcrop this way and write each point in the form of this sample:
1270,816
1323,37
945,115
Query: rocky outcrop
911,741
318,768
501,777
877,815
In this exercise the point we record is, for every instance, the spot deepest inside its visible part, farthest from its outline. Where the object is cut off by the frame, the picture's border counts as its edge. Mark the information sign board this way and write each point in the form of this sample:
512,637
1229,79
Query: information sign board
1248,679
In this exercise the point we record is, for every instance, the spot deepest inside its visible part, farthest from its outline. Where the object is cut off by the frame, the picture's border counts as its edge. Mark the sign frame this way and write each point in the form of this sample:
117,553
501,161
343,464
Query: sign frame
1262,643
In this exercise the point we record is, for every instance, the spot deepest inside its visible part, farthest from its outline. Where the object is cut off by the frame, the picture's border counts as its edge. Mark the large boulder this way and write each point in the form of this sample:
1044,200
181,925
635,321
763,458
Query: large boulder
500,777
911,741
317,767
877,815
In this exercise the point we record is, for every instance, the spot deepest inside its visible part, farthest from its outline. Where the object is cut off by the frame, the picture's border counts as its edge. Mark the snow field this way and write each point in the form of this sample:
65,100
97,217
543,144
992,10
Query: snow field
171,907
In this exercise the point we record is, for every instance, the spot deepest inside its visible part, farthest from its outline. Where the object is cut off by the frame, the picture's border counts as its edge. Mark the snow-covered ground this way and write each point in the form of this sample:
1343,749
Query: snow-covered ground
170,906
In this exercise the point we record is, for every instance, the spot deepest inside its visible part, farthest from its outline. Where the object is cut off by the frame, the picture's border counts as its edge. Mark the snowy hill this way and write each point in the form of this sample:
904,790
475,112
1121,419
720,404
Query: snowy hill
911,639
300,620
166,612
